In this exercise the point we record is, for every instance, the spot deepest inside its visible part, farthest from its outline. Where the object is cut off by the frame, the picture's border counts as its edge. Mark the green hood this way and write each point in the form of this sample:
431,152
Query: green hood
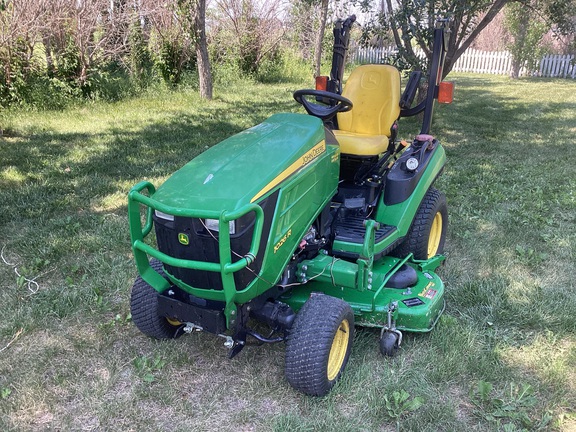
246,166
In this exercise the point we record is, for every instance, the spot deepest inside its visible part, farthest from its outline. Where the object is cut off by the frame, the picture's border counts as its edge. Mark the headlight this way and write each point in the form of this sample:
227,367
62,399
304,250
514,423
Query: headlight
213,225
164,215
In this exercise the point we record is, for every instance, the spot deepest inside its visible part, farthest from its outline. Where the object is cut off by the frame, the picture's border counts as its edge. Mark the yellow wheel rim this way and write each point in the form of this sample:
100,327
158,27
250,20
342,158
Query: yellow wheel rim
338,350
435,235
173,322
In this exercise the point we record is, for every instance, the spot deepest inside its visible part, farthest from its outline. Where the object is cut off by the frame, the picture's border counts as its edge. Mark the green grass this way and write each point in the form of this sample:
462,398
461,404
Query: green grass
503,356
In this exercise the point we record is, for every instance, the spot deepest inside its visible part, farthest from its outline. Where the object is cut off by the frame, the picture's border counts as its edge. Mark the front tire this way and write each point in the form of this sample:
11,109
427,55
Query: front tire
319,344
427,234
144,309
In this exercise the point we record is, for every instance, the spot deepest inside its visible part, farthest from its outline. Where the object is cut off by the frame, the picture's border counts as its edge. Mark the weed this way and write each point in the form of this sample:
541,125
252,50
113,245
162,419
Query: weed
119,320
511,410
399,404
5,392
147,366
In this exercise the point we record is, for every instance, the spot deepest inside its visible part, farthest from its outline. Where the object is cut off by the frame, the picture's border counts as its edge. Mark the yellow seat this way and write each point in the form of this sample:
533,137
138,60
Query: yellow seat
375,92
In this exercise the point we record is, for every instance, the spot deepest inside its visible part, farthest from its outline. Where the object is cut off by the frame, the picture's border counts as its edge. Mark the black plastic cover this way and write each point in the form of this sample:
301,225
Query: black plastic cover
211,320
400,182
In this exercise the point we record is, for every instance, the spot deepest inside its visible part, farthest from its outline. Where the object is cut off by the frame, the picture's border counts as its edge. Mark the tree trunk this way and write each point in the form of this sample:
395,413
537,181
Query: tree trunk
320,37
519,43
202,59
515,68
48,50
7,67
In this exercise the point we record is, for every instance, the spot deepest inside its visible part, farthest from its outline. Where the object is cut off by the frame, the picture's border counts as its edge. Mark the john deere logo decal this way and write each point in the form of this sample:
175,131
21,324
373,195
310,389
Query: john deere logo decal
183,239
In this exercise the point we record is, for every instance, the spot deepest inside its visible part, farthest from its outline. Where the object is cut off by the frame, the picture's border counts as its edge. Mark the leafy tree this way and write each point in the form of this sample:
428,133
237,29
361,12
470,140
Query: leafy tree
93,44
309,22
302,34
561,15
412,23
19,22
527,30
247,32
139,58
67,48
179,39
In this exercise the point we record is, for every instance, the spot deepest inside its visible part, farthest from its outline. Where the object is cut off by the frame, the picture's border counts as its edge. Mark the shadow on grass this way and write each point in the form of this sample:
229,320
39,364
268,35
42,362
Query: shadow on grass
44,170
484,115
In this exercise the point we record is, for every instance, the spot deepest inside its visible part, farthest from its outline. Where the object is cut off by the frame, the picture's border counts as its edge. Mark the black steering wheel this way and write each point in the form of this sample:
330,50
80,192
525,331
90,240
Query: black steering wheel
330,103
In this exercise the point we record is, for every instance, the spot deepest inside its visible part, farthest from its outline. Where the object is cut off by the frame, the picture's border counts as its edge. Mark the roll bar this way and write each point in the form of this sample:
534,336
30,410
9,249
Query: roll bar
434,79
341,42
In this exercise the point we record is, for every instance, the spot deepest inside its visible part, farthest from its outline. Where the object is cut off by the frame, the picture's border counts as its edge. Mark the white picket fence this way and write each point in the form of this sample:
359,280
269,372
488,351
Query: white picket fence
495,63
476,61
558,66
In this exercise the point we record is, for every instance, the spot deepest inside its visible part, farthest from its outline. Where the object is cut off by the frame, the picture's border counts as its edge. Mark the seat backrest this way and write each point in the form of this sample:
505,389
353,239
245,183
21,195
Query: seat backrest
375,92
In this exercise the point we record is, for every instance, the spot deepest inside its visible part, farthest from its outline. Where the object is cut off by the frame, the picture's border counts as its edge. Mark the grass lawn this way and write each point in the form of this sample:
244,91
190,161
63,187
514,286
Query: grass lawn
503,356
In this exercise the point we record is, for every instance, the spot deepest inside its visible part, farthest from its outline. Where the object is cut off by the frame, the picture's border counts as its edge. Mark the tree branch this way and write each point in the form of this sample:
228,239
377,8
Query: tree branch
492,12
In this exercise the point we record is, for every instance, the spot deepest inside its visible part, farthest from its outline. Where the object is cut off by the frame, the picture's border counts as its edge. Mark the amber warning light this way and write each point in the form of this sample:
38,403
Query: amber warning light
322,83
446,92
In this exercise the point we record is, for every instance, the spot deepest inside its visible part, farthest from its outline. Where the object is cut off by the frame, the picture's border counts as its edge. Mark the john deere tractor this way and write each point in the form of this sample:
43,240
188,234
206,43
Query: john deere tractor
303,227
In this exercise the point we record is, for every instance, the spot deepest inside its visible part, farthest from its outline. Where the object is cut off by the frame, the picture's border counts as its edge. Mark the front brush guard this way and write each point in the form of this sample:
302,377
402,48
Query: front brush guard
225,267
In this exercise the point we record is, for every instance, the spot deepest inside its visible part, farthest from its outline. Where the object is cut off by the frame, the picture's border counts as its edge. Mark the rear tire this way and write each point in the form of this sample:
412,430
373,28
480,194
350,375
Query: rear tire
319,343
144,309
427,235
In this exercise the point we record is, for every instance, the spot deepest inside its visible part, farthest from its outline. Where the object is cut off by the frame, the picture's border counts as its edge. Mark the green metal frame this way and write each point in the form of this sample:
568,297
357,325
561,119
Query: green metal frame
225,267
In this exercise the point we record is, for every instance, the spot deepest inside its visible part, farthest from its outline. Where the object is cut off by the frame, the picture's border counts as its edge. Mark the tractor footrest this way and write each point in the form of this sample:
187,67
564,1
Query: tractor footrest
351,229
211,320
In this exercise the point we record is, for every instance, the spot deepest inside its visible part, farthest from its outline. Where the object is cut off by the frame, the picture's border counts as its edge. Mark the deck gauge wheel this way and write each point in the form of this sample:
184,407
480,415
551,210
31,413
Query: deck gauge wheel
389,343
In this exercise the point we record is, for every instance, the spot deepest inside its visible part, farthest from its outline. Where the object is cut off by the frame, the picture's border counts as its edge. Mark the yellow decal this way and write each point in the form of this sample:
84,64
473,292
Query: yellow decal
304,160
425,288
183,239
335,156
282,241
428,292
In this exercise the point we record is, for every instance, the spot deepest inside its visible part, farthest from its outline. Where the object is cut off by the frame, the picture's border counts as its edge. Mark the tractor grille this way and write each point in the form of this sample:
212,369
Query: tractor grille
203,246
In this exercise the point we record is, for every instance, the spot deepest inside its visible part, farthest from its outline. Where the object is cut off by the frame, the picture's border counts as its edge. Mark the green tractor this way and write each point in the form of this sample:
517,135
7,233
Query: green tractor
302,227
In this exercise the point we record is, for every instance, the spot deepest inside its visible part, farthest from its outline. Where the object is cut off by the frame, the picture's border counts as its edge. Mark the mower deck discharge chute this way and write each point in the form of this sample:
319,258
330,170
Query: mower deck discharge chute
309,224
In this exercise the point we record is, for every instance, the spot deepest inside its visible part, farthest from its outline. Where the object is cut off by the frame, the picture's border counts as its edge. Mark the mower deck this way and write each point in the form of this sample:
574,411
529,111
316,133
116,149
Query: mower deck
414,309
